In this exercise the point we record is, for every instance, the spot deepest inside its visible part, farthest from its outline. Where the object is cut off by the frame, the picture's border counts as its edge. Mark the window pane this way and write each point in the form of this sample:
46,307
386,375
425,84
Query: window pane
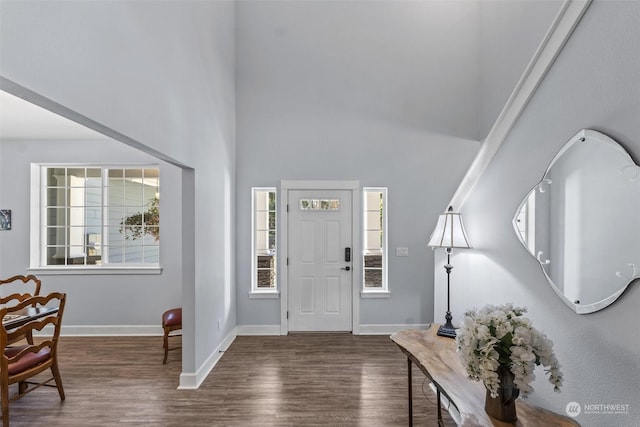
373,278
94,245
77,213
76,196
55,177
76,173
56,197
319,204
149,193
374,241
115,236
56,255
116,196
116,173
115,255
152,235
56,216
265,271
56,236
93,197
264,239
373,261
133,173
76,217
115,216
151,254
135,213
94,177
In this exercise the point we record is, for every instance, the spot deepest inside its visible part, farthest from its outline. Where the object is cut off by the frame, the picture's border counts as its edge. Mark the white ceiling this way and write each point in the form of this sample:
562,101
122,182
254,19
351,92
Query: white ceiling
20,119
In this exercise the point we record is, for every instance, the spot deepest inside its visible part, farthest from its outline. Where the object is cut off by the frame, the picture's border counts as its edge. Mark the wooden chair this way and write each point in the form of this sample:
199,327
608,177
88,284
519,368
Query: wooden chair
20,363
171,321
14,298
30,280
11,300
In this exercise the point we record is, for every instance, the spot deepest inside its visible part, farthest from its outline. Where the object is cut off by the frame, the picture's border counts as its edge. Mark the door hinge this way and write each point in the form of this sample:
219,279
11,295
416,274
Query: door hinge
287,208
287,314
287,260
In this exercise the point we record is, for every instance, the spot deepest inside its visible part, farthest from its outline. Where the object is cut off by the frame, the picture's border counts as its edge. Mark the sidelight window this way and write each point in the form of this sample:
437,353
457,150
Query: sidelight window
264,277
375,240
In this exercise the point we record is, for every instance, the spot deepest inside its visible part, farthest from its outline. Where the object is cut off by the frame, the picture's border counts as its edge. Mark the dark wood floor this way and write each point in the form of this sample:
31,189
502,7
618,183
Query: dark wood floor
295,380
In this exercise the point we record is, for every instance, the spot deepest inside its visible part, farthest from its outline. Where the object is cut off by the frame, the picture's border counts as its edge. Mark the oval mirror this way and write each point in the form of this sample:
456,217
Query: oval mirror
582,222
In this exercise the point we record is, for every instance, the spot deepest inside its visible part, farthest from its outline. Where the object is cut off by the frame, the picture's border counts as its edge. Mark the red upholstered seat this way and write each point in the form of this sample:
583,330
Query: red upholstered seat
171,321
172,317
27,361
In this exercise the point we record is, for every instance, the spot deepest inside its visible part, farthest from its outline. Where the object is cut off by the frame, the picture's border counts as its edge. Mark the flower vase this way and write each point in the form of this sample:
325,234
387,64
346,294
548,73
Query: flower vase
503,407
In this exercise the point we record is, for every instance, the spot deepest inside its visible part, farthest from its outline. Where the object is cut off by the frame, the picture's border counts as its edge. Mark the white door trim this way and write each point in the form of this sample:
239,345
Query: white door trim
354,187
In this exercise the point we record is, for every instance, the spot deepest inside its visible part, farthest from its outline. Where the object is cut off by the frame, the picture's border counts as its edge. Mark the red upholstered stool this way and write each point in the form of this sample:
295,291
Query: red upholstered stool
171,321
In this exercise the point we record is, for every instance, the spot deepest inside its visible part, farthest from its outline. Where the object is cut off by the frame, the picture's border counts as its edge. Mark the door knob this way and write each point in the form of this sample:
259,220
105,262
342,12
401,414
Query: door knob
346,268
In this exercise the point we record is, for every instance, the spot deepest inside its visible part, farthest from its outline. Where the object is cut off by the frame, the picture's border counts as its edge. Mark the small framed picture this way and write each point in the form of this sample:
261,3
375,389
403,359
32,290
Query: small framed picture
5,219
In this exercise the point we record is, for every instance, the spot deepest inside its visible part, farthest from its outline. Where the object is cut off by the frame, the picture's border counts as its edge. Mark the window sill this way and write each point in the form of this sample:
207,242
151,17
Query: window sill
87,271
375,294
264,294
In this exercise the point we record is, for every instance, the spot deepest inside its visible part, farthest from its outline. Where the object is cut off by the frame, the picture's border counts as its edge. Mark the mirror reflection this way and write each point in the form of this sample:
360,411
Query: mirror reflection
582,222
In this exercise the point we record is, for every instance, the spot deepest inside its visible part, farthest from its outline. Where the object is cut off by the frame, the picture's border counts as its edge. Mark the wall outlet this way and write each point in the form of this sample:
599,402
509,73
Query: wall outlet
402,251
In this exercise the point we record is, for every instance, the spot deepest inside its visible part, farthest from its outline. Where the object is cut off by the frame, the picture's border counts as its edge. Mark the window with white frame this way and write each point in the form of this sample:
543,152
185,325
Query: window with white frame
374,252
98,216
264,230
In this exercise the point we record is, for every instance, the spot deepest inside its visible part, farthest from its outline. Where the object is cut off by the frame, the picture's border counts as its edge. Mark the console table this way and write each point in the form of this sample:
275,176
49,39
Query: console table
436,357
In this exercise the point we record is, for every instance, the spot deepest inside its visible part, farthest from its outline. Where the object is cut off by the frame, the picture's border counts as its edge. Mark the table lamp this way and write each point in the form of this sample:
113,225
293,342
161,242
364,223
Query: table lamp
449,233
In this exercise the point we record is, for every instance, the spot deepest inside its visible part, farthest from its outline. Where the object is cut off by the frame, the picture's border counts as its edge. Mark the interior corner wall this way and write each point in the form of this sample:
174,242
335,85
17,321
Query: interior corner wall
163,75
592,84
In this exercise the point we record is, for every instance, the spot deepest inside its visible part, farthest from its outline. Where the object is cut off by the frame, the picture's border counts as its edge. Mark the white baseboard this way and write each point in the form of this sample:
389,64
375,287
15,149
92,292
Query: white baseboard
193,381
240,330
258,330
389,329
246,330
110,330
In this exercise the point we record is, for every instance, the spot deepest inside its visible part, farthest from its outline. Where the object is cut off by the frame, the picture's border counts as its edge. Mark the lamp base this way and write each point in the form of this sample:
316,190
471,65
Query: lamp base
446,331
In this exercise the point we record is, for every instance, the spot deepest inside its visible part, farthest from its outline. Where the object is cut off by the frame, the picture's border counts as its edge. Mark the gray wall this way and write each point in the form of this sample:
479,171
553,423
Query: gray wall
593,84
132,300
163,75
510,32
387,93
348,91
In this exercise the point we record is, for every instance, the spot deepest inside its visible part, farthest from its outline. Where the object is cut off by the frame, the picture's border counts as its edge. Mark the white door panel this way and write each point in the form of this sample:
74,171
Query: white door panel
320,286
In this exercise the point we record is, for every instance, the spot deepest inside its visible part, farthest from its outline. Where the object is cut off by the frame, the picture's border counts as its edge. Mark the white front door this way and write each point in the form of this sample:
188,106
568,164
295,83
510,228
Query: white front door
319,274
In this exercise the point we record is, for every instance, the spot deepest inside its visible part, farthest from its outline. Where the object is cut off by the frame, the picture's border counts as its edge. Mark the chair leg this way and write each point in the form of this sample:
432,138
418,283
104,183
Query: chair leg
58,378
166,346
5,405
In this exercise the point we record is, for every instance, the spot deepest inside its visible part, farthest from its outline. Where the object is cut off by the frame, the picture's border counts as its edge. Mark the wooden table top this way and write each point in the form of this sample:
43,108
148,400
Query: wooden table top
436,356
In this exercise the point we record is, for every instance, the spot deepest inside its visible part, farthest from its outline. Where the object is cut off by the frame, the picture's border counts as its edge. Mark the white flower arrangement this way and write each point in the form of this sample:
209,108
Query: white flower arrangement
499,336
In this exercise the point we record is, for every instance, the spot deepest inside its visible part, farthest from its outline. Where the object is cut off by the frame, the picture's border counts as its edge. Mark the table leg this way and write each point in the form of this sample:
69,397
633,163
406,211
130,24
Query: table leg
440,422
410,393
